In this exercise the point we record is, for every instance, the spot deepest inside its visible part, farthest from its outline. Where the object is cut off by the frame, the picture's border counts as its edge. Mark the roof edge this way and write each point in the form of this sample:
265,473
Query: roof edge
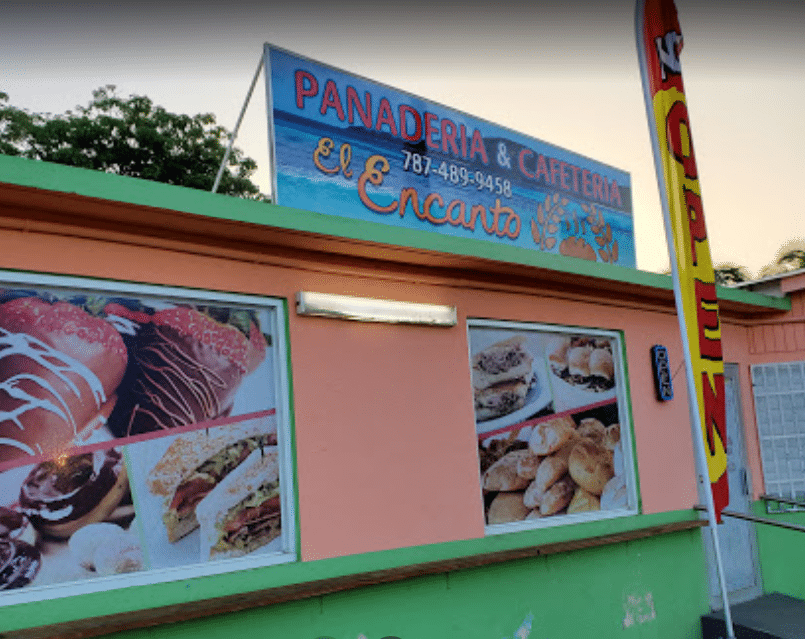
22,172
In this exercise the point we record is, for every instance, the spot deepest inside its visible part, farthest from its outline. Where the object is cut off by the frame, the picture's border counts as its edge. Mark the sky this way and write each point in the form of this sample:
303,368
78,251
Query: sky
565,72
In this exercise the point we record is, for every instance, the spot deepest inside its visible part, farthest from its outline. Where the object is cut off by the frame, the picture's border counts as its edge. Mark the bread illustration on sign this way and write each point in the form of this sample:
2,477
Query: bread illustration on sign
502,375
187,364
59,370
196,462
242,513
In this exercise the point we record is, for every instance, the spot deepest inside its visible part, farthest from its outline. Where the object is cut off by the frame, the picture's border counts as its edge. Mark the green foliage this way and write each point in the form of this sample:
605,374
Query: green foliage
728,274
130,136
794,258
790,257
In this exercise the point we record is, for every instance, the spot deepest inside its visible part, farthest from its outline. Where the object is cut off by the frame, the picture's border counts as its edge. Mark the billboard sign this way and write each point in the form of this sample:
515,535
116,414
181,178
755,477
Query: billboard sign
343,145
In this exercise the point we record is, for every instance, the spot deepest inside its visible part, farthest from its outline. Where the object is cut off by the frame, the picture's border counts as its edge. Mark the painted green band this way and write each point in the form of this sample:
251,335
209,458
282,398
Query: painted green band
123,600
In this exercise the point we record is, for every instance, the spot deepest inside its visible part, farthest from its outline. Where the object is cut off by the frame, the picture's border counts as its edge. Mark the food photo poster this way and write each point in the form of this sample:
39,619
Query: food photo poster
140,430
553,440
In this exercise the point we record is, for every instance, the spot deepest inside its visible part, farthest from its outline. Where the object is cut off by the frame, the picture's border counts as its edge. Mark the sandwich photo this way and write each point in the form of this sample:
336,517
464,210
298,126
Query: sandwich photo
583,361
198,461
502,375
242,513
500,400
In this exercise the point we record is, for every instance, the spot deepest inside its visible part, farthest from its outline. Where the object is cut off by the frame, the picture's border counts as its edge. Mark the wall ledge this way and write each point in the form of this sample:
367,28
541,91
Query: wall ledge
630,530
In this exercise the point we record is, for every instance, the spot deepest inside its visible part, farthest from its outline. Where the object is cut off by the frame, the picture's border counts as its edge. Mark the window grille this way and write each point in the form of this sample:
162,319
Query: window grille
779,391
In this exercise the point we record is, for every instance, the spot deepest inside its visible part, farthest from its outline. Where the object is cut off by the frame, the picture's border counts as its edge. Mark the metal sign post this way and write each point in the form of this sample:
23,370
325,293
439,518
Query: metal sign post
237,127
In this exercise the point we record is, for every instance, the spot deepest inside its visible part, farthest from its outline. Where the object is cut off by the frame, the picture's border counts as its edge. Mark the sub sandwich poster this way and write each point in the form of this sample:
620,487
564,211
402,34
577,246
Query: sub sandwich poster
139,431
346,146
553,442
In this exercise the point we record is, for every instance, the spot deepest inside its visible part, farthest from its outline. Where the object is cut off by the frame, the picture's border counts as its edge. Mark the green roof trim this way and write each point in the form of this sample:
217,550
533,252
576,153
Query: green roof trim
96,184
758,299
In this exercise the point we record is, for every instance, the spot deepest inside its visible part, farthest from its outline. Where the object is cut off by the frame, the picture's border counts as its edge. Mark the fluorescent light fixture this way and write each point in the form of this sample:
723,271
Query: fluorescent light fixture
366,309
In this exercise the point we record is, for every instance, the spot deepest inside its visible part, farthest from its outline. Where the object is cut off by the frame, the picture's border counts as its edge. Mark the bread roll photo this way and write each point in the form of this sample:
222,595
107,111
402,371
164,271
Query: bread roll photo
590,465
557,497
502,475
550,436
506,507
583,501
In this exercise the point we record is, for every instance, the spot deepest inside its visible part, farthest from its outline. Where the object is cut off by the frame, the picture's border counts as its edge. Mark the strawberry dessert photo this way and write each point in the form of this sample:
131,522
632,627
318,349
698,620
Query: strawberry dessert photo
186,364
91,368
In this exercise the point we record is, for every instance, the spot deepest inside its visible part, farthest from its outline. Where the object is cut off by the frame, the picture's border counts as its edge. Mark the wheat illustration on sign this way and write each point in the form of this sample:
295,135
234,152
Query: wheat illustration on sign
552,213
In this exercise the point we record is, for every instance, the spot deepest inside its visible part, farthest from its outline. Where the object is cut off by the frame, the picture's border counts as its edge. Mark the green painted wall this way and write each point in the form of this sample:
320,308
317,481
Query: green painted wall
650,588
782,562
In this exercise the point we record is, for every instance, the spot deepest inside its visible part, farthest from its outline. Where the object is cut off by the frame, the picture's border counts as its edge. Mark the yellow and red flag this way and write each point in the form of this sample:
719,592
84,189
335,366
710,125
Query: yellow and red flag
659,43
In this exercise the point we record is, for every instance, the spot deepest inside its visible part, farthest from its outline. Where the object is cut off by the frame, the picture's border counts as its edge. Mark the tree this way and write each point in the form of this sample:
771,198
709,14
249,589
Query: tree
726,273
729,274
790,257
130,136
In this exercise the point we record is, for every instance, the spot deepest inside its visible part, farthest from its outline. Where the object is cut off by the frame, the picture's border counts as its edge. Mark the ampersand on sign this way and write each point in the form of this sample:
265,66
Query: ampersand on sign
504,161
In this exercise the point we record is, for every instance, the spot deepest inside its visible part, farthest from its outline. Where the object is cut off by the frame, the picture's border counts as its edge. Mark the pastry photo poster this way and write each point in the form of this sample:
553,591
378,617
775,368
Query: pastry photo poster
138,432
553,440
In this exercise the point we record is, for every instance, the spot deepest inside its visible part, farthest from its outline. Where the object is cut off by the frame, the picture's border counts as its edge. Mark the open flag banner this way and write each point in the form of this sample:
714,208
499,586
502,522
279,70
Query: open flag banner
659,43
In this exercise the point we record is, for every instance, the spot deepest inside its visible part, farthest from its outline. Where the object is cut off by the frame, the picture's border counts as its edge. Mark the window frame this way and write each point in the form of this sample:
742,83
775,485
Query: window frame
768,441
274,313
623,410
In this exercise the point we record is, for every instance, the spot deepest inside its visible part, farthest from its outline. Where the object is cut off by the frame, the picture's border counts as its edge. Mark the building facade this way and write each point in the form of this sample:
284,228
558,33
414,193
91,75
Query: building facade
386,510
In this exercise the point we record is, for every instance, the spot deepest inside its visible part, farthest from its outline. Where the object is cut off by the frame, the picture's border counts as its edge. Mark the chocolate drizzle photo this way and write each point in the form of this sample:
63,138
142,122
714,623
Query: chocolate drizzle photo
80,369
73,518
186,365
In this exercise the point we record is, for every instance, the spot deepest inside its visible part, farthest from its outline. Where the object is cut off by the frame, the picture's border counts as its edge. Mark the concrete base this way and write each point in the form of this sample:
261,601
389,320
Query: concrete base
772,616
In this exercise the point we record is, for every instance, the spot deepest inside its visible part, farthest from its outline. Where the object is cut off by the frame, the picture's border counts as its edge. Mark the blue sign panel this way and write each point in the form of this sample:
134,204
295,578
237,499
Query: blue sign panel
346,146
661,367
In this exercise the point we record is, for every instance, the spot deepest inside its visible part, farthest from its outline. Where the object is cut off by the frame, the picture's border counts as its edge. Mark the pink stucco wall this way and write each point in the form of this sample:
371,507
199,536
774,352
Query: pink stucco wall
385,442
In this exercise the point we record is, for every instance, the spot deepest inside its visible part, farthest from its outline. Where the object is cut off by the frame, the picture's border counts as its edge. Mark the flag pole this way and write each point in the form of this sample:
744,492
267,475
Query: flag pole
659,42
234,133
713,526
